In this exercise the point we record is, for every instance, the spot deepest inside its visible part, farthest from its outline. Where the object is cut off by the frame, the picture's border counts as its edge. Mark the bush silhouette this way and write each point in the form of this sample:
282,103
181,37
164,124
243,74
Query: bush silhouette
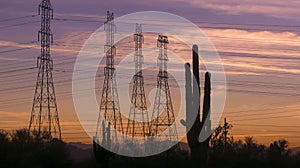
22,148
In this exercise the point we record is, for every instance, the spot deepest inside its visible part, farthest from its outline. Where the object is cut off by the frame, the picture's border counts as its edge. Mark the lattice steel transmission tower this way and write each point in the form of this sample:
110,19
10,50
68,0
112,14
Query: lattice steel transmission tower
44,114
138,124
107,127
163,118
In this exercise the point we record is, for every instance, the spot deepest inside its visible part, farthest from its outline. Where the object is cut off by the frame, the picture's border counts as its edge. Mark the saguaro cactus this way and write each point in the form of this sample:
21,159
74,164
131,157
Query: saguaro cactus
194,126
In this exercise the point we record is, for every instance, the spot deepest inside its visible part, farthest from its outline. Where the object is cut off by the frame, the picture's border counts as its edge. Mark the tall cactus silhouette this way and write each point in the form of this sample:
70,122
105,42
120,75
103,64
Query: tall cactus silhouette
199,150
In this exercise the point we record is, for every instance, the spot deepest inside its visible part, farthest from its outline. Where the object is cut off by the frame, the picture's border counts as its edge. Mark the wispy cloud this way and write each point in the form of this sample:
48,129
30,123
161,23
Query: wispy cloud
262,42
279,9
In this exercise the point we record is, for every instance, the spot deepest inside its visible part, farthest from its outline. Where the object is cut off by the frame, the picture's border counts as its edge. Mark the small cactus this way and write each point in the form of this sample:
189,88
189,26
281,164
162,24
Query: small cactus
101,154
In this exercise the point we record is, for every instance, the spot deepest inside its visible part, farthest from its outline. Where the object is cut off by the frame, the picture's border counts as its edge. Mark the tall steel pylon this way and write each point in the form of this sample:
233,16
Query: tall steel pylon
44,114
163,118
138,124
109,104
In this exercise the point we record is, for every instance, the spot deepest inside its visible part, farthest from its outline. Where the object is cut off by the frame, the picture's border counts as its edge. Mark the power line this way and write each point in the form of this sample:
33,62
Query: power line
20,70
267,118
260,114
71,57
16,70
19,49
269,125
233,25
233,90
20,24
195,22
17,18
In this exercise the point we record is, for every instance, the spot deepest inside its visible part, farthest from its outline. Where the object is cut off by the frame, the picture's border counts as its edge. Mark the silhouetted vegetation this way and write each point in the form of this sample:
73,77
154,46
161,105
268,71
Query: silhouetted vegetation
23,149
227,153
224,152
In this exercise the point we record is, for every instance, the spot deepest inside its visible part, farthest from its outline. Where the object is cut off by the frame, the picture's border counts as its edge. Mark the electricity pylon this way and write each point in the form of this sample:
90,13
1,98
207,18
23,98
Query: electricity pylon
163,118
138,124
110,118
44,115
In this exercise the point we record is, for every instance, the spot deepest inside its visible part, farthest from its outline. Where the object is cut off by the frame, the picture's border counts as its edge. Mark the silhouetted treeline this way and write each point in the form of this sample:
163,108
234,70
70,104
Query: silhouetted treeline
225,152
23,149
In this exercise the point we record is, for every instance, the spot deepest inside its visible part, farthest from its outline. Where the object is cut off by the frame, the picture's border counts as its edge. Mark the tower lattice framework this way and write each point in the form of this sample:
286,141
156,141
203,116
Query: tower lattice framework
44,115
138,124
107,127
163,118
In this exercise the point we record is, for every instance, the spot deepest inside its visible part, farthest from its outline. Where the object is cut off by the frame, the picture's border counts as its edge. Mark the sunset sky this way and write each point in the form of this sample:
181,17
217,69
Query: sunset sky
258,41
